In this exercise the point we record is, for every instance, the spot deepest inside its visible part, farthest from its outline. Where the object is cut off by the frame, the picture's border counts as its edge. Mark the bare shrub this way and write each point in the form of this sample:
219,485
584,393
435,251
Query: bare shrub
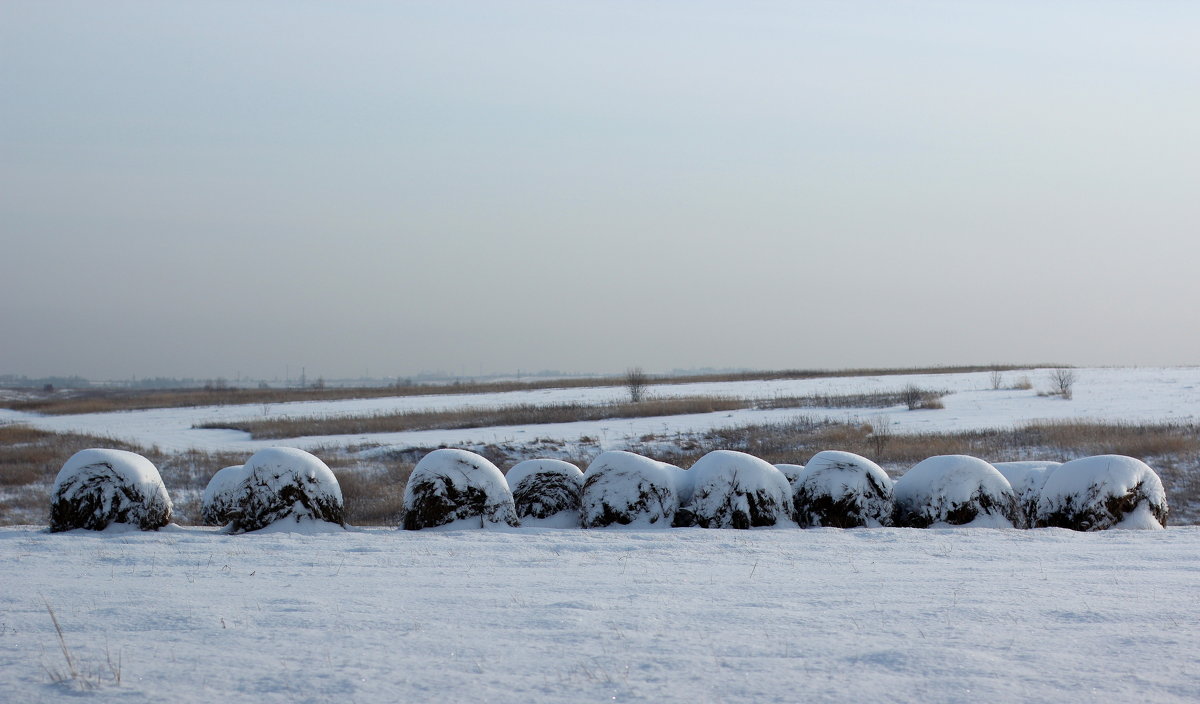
917,398
880,435
1062,382
635,383
997,379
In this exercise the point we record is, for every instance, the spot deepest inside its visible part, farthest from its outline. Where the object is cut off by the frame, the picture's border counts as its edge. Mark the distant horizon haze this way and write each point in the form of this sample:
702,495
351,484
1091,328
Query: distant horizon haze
199,189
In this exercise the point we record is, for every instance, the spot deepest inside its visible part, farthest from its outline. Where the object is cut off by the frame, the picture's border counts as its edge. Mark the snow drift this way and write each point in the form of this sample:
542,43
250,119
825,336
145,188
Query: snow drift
96,488
627,489
222,494
1026,479
843,490
1106,491
545,488
283,482
453,485
737,490
954,490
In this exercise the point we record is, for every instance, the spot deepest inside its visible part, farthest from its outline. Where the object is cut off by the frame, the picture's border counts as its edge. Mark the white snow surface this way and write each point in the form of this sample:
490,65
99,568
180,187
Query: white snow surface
723,479
303,613
940,483
1126,394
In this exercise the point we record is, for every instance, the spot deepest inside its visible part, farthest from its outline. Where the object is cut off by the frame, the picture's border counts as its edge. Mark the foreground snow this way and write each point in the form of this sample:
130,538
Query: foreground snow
539,615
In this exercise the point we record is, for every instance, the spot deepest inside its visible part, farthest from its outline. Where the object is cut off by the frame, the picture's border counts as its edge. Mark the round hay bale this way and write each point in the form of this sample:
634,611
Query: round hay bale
1026,479
97,487
843,490
954,490
222,495
737,490
621,488
1106,491
544,489
455,485
285,482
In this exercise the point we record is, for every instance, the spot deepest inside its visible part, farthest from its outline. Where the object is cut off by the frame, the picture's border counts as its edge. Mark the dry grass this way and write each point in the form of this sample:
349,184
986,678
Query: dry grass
374,495
104,400
530,414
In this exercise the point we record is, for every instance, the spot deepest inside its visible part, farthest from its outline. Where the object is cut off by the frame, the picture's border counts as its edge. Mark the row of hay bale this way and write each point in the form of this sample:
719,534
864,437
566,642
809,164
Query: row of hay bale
97,488
723,489
727,489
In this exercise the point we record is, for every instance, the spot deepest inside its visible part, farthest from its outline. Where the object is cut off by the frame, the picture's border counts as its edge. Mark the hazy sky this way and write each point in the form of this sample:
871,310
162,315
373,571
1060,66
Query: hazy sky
212,188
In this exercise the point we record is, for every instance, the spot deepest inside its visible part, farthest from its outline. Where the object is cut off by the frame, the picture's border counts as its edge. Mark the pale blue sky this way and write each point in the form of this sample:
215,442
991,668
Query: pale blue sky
207,188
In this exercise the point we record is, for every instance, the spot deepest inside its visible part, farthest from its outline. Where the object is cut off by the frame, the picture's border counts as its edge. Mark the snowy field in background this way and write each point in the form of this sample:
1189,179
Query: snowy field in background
1110,394
540,615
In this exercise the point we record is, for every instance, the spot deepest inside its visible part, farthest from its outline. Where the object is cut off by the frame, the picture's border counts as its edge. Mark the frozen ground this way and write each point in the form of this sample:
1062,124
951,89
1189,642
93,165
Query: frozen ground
541,615
1112,394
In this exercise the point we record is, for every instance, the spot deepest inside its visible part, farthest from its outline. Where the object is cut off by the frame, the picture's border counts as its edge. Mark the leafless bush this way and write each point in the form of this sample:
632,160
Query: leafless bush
881,435
917,398
997,378
635,382
1062,382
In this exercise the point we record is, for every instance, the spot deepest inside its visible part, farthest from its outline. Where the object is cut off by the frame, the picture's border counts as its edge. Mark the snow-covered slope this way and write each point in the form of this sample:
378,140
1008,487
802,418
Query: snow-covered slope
530,616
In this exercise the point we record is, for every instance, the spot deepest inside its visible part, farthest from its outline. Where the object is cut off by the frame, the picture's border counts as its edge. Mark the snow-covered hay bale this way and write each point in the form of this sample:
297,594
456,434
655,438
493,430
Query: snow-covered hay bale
843,490
284,482
455,485
222,494
1107,491
954,490
792,472
1027,479
96,488
542,489
736,490
631,490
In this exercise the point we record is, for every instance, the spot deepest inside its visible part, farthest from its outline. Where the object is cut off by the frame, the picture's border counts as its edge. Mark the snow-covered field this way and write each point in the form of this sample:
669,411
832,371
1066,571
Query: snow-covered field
1112,394
542,615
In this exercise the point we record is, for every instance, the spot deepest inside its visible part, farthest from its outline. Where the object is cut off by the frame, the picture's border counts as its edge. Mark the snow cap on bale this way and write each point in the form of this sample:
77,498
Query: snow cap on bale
1097,493
96,488
954,490
626,489
543,489
1026,479
843,490
455,485
792,472
284,482
222,494
737,490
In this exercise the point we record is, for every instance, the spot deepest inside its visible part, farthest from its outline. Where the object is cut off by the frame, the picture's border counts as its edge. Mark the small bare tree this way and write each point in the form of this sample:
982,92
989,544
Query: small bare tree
881,434
635,383
1062,382
997,379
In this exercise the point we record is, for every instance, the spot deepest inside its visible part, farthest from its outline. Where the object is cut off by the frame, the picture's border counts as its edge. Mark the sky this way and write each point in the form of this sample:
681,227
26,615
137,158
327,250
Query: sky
233,189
